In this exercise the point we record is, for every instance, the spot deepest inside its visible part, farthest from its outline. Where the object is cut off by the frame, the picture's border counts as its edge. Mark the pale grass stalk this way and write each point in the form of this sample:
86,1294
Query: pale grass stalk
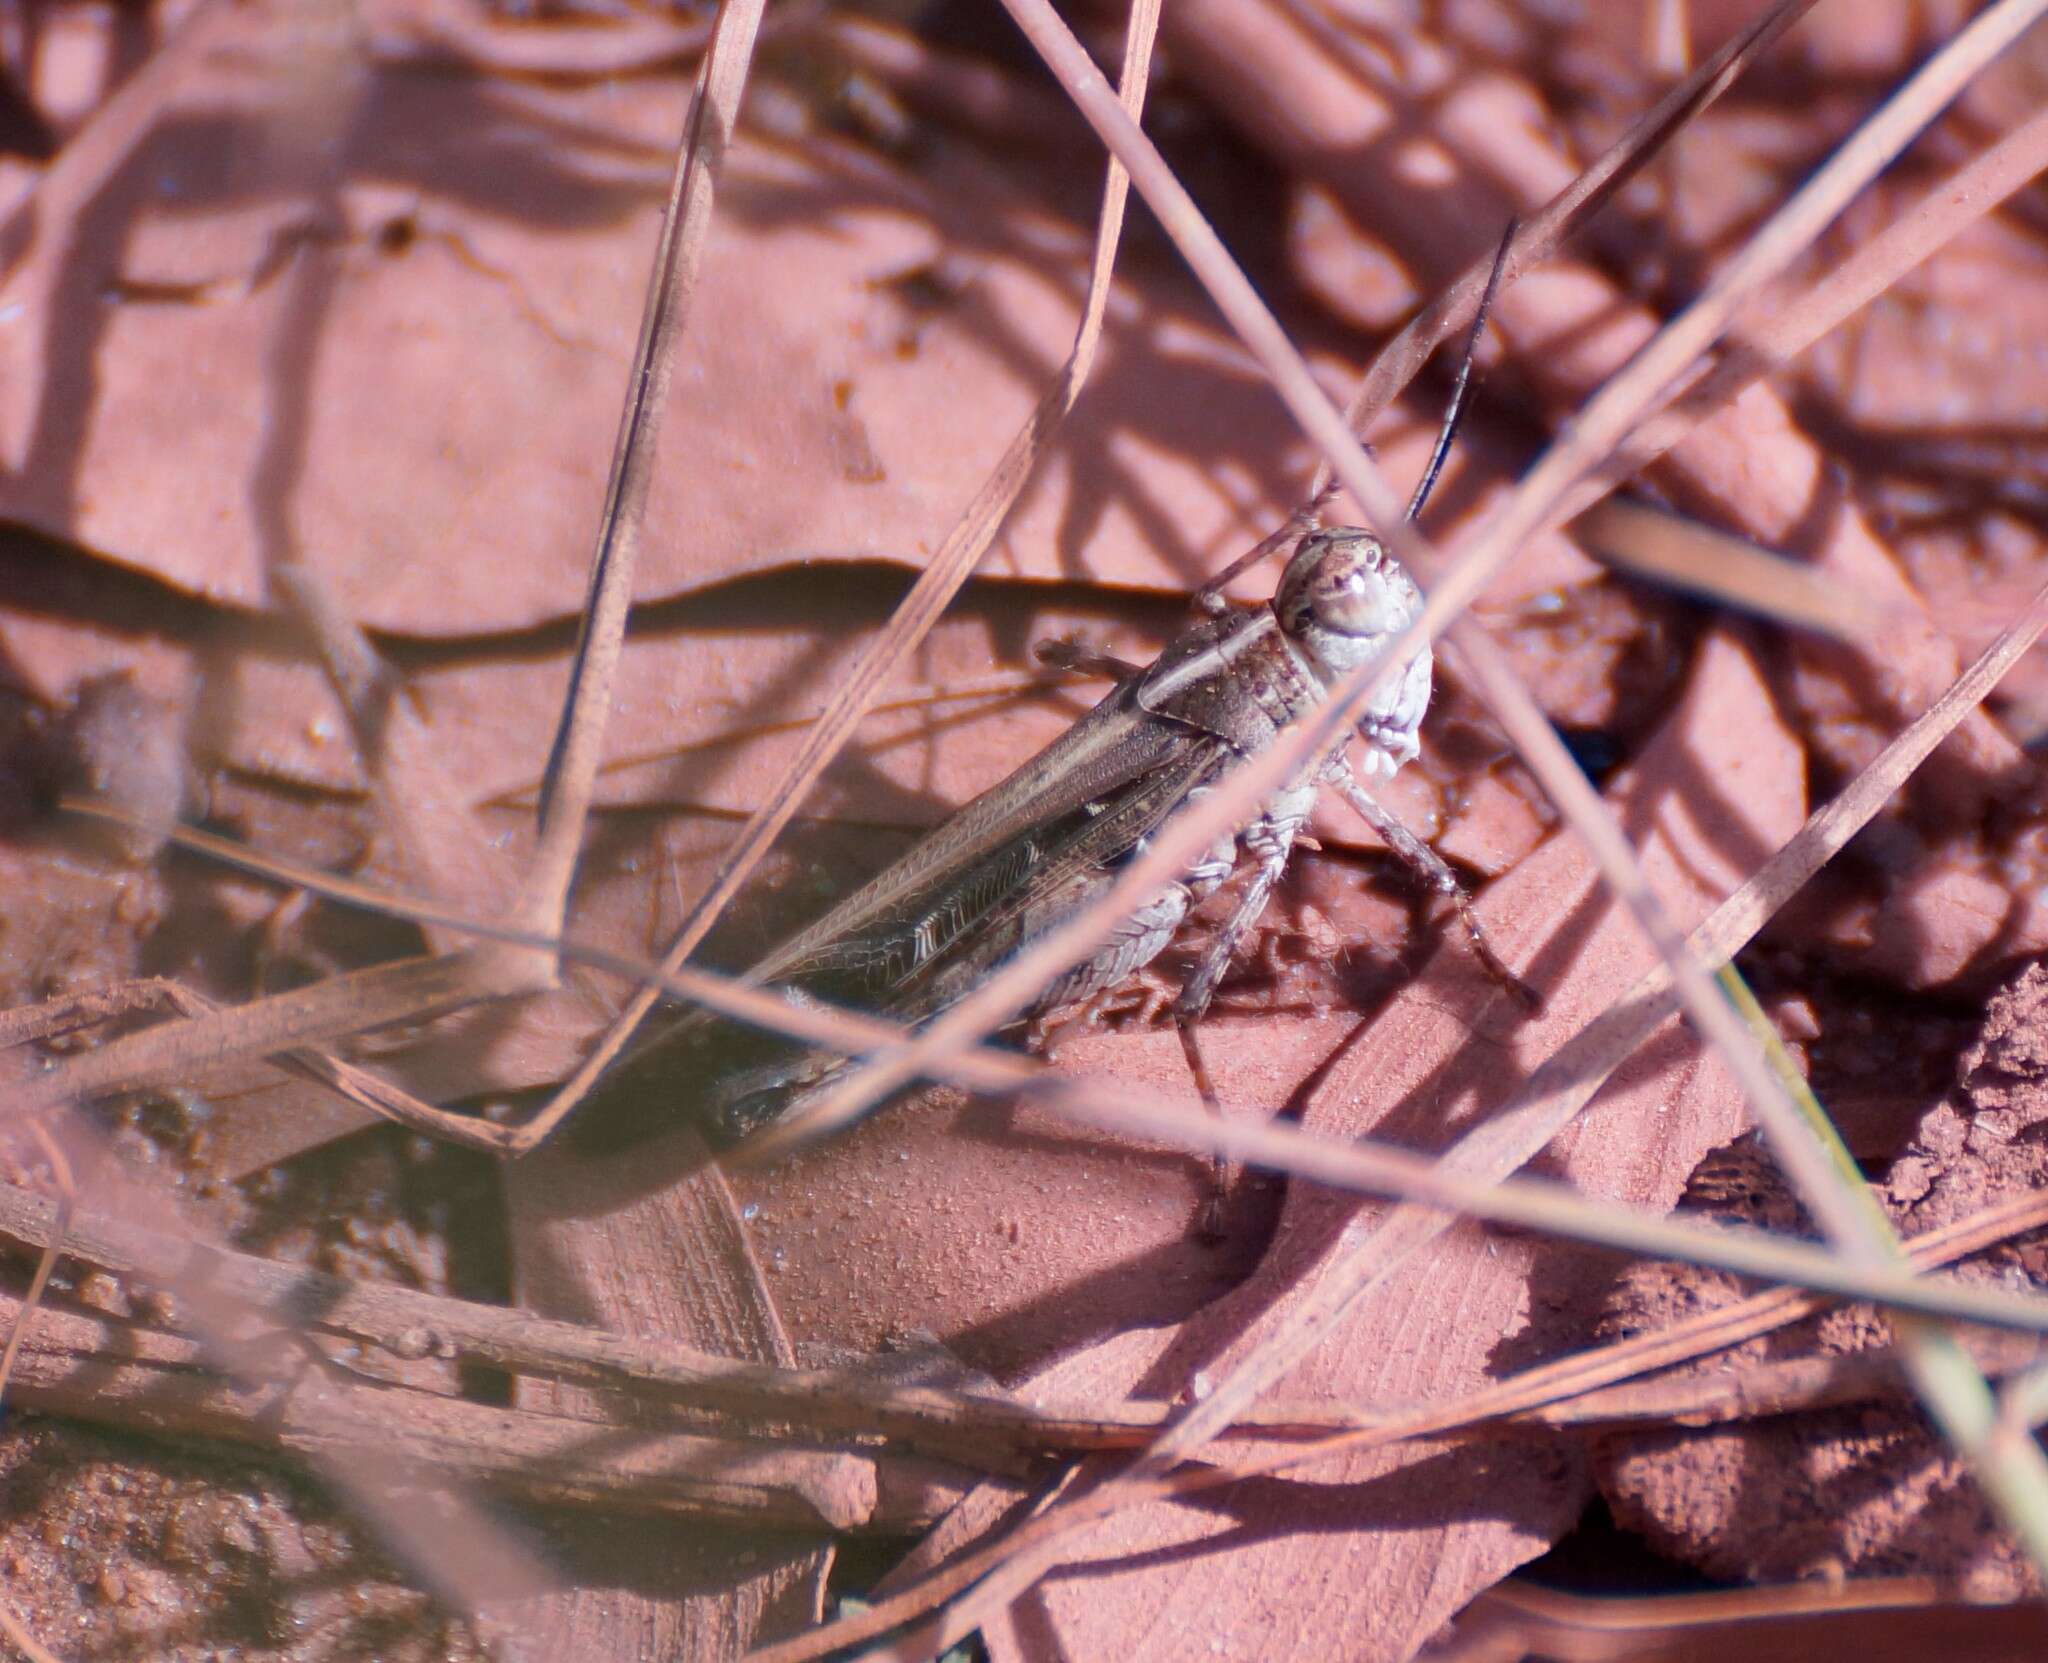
1651,543
913,619
2024,1401
1460,1183
142,1379
1765,340
1587,1372
578,746
1602,424
1550,1622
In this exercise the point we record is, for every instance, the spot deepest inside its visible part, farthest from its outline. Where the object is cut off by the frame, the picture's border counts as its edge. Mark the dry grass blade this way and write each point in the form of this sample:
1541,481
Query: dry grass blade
934,589
1587,1387
686,225
1874,1616
405,990
418,807
725,1300
1752,1391
1540,233
1219,274
434,984
1669,549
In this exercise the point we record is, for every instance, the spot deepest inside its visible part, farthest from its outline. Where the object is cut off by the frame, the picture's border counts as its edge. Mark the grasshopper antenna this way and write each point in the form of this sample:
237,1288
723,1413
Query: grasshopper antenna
1309,516
1463,385
1419,857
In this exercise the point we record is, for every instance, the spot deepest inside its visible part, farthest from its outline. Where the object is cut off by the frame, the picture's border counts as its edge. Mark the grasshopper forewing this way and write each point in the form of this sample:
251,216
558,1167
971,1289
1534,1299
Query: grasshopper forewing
1022,857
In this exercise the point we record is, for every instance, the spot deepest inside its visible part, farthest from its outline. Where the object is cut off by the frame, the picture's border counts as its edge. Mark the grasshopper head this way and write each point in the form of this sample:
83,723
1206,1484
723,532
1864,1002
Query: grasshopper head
1341,599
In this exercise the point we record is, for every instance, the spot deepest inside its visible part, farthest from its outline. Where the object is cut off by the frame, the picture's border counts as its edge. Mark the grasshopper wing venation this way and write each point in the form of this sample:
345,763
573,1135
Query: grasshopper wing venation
925,929
1046,875
1096,760
938,941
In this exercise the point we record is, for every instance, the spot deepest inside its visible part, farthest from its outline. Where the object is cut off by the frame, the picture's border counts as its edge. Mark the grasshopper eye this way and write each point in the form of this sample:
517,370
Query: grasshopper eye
1341,594
1343,598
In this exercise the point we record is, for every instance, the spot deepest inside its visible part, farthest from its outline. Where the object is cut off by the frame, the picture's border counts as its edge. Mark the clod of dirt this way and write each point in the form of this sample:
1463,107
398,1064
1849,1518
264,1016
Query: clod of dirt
121,746
122,1547
1868,1489
116,1550
70,922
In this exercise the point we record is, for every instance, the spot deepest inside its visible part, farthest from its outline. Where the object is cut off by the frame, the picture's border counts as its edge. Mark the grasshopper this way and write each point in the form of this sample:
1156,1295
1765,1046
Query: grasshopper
1027,854
1022,857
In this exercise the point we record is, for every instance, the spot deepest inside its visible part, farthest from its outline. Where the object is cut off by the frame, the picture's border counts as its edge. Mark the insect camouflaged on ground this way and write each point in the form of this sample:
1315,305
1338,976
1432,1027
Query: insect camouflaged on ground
1022,857
1029,853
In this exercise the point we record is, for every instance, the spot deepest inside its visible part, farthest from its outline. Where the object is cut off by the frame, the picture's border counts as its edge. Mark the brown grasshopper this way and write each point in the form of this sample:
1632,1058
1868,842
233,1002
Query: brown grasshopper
1024,856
